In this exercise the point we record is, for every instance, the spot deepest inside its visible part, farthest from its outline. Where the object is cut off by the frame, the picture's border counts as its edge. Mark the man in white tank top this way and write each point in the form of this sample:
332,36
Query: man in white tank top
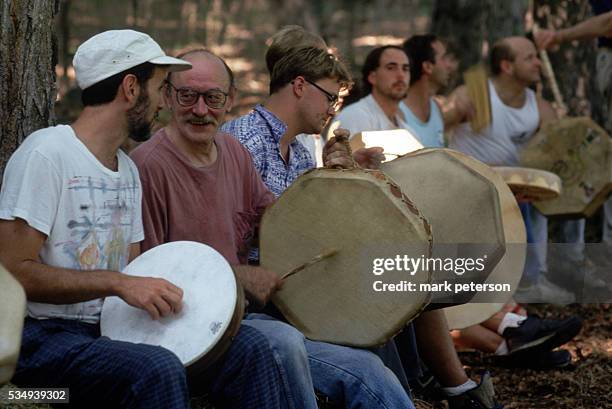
517,113
429,71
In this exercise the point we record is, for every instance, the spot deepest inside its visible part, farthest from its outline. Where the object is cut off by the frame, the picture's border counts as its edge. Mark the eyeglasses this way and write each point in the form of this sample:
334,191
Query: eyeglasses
335,101
186,97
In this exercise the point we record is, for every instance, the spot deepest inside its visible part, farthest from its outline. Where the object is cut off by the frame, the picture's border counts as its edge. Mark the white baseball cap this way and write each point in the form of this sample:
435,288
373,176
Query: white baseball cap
114,51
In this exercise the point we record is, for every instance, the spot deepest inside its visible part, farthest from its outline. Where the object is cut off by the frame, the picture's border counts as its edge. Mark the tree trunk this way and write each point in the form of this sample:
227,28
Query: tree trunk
462,22
472,26
27,71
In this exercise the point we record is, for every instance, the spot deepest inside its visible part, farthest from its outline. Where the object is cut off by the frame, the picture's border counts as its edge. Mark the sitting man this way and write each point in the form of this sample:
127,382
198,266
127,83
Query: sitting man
200,184
293,107
501,334
429,72
517,113
71,220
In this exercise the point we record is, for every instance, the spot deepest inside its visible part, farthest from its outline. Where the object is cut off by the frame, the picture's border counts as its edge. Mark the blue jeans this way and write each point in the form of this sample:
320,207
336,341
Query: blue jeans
356,378
113,374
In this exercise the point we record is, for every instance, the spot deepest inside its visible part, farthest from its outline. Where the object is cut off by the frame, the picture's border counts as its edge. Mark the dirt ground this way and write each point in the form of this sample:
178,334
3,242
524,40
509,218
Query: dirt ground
585,384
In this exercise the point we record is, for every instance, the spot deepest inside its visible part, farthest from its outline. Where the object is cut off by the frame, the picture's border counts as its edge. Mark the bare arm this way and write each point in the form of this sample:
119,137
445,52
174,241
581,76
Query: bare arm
19,251
598,26
457,108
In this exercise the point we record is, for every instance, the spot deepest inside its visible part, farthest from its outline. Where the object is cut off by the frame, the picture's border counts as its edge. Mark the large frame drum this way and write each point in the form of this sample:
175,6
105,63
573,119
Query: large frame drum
461,205
510,268
213,305
358,215
580,152
12,305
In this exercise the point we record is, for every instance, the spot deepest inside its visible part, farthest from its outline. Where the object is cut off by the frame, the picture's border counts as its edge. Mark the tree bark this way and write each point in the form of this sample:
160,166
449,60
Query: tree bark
472,26
27,71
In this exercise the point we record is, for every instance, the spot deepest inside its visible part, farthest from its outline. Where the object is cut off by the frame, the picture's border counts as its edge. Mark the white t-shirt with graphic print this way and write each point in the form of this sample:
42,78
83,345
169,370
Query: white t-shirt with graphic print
89,213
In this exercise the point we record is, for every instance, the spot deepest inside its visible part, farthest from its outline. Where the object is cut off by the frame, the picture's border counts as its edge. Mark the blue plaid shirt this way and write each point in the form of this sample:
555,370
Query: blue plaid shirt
260,132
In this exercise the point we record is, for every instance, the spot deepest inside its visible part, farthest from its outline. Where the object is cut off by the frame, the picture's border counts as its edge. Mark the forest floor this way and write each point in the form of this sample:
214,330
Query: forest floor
585,384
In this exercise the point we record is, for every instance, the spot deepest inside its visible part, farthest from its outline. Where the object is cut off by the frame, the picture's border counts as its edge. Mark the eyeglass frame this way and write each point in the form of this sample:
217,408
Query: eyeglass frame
335,102
199,94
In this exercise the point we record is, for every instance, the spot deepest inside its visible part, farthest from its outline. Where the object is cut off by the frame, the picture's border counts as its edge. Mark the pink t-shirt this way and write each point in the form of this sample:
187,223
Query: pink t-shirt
219,205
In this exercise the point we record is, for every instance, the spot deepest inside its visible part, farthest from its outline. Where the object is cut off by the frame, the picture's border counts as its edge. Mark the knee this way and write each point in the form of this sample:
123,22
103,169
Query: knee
284,339
160,365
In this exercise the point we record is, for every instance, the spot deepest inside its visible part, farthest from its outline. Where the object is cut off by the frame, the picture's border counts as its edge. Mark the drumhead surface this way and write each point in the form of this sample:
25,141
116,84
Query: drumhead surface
362,216
209,300
395,142
510,268
461,205
580,152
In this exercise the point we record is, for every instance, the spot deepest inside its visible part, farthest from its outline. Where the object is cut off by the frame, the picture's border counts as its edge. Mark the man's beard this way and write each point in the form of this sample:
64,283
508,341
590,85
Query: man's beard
139,127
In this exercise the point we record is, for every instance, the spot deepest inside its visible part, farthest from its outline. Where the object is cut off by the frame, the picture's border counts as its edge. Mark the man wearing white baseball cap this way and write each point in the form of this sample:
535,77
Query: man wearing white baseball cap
70,219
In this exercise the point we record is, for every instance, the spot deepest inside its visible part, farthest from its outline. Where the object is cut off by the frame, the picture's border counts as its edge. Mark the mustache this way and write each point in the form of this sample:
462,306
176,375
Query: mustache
202,120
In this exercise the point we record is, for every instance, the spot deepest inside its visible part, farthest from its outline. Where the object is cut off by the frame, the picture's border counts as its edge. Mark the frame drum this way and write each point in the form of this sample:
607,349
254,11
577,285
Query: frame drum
580,152
360,216
213,305
395,142
533,184
510,268
461,205
13,306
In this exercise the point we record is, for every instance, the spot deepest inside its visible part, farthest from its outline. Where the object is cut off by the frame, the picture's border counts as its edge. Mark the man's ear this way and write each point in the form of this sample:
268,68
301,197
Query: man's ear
507,67
427,67
372,77
166,96
130,89
298,85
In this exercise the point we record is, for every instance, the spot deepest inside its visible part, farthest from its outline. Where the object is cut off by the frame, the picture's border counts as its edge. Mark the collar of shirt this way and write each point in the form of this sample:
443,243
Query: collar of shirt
277,127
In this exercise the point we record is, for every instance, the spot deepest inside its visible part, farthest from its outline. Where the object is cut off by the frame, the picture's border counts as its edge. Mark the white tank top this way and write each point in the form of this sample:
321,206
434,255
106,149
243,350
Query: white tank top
501,142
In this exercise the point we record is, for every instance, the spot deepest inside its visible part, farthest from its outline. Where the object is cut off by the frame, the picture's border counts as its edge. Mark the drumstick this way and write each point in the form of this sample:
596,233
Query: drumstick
550,75
314,260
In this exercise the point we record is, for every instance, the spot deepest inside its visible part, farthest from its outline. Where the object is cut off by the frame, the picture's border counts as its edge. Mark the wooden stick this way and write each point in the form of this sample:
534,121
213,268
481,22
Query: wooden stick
550,76
315,260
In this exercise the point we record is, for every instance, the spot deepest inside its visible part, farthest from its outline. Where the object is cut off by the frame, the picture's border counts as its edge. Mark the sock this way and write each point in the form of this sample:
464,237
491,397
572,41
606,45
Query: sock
458,390
502,349
510,320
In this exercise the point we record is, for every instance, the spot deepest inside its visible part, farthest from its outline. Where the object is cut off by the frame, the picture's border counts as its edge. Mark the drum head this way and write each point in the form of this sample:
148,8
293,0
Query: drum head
462,207
209,301
580,152
395,142
13,306
533,184
362,215
510,268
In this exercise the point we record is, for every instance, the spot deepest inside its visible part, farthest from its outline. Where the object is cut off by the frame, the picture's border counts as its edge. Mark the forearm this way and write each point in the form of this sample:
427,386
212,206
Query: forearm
53,285
598,26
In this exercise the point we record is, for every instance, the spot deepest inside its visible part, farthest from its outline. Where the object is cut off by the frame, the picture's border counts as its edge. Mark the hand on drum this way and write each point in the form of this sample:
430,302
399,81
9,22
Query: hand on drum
259,284
336,152
157,296
369,158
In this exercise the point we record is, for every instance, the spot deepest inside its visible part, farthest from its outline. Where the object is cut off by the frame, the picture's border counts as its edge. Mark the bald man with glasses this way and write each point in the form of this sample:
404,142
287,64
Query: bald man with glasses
200,184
